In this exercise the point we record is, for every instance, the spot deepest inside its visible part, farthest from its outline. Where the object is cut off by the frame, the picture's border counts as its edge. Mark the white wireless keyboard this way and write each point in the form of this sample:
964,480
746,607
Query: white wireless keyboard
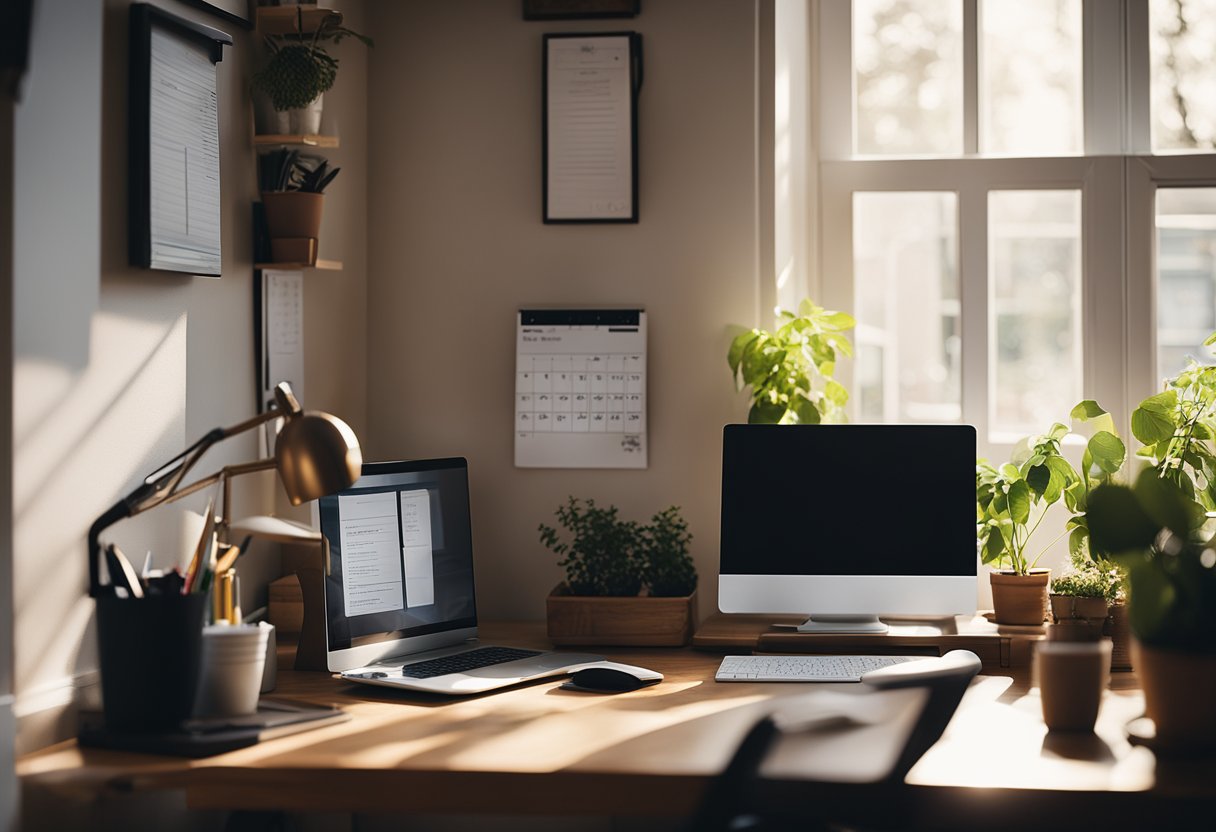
803,668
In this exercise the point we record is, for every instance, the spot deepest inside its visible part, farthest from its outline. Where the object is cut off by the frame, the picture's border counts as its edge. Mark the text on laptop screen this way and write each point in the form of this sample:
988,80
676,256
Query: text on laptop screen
401,553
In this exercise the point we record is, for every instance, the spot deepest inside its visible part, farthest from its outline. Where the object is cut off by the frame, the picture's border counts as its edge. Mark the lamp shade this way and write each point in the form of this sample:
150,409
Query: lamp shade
316,454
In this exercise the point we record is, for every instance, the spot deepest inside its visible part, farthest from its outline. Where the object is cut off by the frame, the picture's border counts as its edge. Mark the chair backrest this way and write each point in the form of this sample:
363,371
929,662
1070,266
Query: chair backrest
884,727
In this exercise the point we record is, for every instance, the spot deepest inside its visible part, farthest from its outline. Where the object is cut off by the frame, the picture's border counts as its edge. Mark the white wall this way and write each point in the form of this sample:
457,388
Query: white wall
457,246
116,368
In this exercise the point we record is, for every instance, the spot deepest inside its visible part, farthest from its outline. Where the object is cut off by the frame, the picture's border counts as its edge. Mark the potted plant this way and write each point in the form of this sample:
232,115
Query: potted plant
790,370
293,186
627,584
1154,531
1086,591
299,70
1010,503
1165,590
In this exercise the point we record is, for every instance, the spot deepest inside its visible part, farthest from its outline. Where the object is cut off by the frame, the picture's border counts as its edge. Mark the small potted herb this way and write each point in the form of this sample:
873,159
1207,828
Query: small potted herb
1086,591
627,584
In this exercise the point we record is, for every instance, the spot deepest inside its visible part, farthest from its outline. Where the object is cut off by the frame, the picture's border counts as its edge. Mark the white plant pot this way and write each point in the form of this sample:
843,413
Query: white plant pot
303,121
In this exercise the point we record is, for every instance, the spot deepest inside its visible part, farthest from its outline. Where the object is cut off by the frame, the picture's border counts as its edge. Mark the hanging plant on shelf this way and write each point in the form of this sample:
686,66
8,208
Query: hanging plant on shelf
299,69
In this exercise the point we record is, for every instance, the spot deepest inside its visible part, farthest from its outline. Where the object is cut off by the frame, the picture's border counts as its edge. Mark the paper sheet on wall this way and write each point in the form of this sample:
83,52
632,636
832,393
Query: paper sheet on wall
589,128
282,336
580,389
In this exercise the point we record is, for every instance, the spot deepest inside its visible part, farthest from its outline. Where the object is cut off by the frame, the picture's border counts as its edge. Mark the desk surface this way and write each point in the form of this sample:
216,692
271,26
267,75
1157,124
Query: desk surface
541,750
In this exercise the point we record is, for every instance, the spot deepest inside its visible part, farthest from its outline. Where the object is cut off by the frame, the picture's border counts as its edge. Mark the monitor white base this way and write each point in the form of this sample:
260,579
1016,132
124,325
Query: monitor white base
856,624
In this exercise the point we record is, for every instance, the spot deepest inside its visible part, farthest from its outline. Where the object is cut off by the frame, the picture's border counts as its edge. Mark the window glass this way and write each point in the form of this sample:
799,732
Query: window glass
1034,272
1186,275
905,267
1182,40
1031,86
908,66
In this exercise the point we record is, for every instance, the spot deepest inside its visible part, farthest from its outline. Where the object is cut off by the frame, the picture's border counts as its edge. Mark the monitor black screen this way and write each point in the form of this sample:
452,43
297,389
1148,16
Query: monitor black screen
880,500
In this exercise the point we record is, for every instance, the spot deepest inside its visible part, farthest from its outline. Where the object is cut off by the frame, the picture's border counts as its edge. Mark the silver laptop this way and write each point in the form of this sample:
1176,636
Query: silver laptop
399,601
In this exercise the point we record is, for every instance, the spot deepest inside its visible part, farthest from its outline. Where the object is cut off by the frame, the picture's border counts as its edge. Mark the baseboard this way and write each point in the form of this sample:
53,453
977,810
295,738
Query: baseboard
46,714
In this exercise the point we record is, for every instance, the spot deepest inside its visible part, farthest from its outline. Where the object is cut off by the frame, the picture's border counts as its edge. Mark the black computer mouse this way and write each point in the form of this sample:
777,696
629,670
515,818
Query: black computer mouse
611,677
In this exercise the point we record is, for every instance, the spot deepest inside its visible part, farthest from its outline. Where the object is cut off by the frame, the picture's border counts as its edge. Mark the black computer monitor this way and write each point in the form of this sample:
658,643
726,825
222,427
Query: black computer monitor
848,522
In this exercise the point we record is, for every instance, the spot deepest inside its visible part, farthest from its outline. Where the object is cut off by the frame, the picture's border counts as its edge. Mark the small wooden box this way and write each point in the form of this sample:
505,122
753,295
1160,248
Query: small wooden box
286,610
640,621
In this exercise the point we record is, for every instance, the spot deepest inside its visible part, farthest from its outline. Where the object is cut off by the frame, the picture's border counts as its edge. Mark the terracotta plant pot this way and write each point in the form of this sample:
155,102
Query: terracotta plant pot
293,213
1093,610
1020,599
640,621
1179,689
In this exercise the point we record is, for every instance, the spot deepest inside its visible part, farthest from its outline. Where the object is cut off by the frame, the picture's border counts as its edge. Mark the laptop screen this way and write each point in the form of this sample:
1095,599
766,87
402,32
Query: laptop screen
400,554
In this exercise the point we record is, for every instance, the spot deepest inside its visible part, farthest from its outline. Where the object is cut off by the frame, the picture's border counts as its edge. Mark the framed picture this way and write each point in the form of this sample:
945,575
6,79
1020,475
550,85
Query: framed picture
590,127
174,142
579,9
239,12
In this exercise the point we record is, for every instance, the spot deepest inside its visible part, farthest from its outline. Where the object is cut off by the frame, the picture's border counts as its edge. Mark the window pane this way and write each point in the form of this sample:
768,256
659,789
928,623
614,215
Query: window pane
1034,270
1186,275
906,299
1182,38
1031,94
908,61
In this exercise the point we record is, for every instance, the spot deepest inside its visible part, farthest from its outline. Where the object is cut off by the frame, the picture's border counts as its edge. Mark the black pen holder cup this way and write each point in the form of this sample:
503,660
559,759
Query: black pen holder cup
150,655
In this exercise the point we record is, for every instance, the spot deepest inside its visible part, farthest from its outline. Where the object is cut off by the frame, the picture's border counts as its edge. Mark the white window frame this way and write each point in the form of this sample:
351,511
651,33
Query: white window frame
1117,177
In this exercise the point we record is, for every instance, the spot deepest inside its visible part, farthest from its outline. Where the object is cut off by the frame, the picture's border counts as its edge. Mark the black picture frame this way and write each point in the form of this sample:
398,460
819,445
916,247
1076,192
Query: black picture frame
239,12
580,9
144,18
550,215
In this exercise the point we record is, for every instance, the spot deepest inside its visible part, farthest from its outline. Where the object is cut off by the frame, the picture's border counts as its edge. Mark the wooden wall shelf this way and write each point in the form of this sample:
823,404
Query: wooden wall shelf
306,139
282,20
324,265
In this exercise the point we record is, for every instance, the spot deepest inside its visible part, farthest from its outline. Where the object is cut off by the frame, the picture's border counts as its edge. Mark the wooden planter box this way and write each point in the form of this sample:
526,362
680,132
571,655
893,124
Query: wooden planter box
641,621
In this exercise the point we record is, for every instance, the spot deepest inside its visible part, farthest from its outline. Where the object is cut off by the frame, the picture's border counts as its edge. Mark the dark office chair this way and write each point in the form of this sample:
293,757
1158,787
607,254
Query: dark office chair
835,758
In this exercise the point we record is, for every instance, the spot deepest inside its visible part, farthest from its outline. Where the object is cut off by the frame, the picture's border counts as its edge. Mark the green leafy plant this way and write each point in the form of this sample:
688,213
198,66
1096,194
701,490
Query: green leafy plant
790,370
1011,501
1176,428
1149,530
605,555
669,569
1157,529
290,170
1102,458
299,69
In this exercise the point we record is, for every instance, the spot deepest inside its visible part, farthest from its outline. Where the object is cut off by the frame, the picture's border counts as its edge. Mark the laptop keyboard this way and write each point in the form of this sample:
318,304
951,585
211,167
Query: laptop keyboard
462,662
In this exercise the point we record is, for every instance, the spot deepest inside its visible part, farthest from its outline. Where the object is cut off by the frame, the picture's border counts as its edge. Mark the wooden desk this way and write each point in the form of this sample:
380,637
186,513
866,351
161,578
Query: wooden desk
540,750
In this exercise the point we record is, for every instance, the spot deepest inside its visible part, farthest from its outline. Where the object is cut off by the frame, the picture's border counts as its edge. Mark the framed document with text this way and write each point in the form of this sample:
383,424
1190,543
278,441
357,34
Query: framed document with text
174,137
590,135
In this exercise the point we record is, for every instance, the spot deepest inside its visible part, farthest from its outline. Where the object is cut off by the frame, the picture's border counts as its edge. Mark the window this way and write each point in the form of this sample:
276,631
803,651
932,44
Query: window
1017,201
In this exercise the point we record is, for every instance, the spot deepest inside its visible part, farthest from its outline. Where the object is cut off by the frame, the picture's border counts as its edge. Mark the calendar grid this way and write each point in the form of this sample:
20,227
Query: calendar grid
562,390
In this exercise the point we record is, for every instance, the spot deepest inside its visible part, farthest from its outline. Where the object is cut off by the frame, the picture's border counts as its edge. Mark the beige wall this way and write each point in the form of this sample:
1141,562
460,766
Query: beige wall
116,368
457,246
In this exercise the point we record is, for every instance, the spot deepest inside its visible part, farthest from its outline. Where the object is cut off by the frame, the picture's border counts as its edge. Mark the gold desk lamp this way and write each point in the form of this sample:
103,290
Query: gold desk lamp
315,454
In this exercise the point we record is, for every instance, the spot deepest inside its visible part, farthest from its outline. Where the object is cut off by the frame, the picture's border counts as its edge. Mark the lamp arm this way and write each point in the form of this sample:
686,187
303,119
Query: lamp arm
163,486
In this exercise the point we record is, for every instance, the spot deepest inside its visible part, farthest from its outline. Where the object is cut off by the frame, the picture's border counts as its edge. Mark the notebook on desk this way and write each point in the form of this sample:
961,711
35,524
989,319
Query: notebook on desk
399,592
